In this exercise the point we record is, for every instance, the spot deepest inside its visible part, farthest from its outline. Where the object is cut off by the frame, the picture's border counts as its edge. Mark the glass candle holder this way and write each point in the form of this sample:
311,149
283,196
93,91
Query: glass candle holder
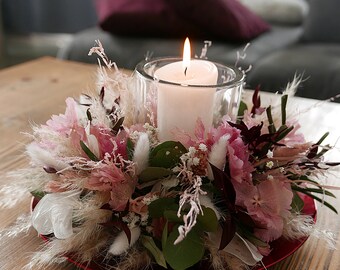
177,106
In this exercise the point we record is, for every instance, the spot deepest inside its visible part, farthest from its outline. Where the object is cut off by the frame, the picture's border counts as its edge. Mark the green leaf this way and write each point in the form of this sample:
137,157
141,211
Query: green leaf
322,138
150,245
129,148
271,126
302,177
165,235
316,198
322,152
284,99
118,125
283,132
88,114
157,207
88,152
241,109
208,221
167,154
186,253
171,215
315,190
153,173
38,194
297,203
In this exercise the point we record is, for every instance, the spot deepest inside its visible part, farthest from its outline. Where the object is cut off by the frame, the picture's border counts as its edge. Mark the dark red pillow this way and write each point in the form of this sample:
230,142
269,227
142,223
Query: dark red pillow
157,18
223,19
206,19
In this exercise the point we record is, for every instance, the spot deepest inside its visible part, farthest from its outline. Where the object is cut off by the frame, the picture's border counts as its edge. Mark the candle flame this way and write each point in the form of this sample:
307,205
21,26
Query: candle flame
186,55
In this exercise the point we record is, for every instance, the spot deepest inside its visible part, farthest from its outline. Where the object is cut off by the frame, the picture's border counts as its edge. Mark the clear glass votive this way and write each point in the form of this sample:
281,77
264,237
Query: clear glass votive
176,105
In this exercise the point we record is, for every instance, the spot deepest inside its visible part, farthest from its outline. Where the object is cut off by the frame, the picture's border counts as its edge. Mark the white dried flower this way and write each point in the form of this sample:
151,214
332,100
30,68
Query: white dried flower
191,150
195,161
270,164
131,219
149,199
203,147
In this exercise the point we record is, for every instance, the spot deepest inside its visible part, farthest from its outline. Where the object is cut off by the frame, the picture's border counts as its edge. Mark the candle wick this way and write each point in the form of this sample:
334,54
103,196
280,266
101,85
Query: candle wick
185,71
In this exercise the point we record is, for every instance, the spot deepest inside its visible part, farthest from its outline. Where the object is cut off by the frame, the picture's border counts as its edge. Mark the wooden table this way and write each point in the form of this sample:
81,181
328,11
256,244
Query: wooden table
32,92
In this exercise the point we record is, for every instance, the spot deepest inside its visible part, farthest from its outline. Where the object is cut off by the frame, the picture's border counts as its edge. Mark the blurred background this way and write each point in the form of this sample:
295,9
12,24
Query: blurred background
33,28
287,37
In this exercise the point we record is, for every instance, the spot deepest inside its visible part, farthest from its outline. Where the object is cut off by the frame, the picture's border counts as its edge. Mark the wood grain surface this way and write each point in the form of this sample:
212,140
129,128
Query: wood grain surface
30,93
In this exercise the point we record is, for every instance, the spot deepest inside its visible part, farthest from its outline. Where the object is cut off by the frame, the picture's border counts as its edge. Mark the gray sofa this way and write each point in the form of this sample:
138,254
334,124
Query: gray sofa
275,56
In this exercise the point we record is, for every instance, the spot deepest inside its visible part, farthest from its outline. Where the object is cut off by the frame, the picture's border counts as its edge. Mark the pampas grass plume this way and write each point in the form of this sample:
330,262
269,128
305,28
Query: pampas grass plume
121,244
217,156
141,154
43,157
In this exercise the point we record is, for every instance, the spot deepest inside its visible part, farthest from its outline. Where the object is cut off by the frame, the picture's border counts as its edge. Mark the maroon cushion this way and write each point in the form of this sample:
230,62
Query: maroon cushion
207,19
223,19
142,18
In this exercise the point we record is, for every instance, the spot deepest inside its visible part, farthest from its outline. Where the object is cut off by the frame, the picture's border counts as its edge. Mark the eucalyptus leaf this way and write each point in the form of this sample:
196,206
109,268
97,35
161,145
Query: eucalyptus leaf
208,221
150,245
153,173
186,253
167,154
164,235
171,215
157,207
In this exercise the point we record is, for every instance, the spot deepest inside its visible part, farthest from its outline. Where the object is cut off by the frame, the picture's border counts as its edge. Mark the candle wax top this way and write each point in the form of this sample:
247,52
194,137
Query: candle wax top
199,72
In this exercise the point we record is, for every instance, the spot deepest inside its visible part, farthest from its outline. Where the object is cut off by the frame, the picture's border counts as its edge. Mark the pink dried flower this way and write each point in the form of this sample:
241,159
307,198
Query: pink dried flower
113,145
251,120
54,186
237,152
294,137
292,152
238,157
65,123
110,177
187,140
267,204
140,204
265,251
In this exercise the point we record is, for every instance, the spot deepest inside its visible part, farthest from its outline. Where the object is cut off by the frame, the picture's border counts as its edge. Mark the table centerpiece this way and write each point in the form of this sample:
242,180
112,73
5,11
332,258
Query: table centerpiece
168,168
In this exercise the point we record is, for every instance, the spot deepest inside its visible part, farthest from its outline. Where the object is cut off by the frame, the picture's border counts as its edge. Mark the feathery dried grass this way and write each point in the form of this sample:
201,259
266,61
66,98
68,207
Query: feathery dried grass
221,260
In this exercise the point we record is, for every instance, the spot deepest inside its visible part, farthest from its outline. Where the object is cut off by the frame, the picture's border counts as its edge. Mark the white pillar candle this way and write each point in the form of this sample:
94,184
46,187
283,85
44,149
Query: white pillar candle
181,106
